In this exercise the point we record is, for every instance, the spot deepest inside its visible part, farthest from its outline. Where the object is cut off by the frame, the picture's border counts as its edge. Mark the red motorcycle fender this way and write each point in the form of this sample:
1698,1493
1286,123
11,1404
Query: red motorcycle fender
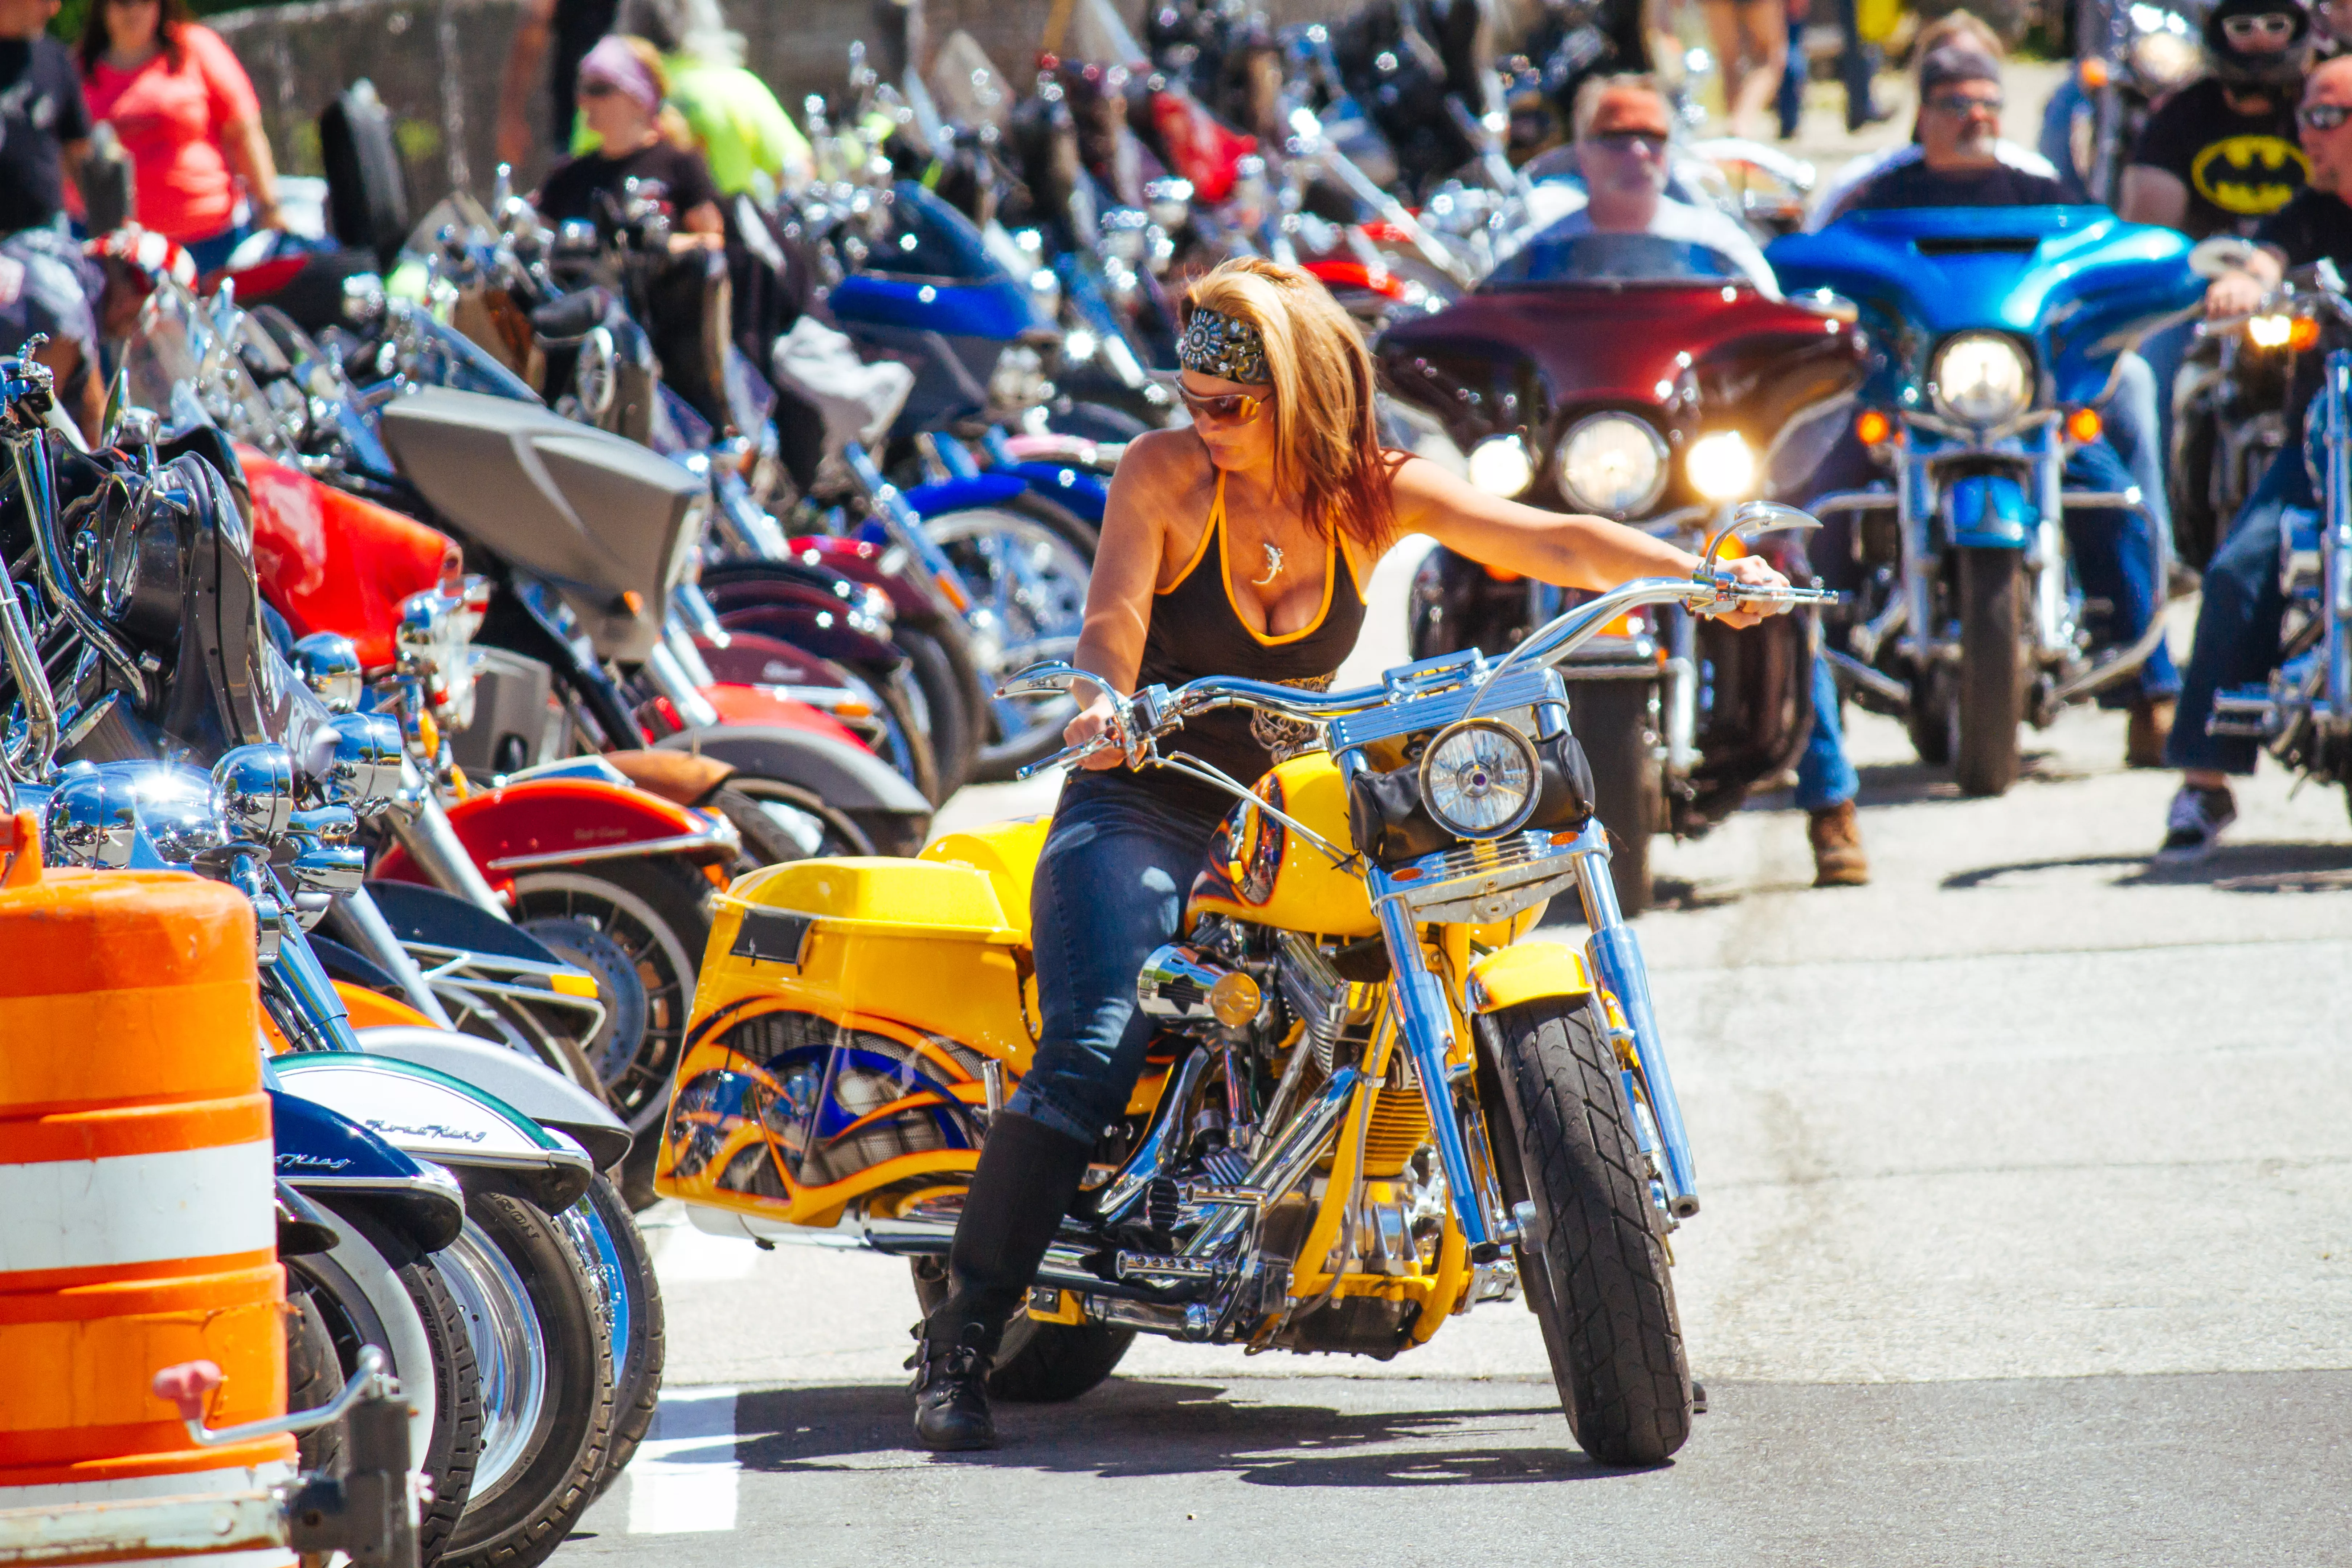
568,822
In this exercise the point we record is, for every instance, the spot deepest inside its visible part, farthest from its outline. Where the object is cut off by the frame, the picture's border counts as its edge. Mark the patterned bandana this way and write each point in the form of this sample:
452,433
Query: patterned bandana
1219,345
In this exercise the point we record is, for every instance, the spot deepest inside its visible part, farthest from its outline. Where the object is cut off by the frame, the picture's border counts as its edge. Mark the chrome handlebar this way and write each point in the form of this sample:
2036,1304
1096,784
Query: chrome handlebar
1156,710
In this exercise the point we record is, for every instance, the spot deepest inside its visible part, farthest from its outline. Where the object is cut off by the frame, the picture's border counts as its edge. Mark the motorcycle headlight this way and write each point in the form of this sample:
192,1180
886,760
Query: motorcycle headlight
2163,61
1613,464
1982,378
1479,778
1720,466
2270,331
1499,466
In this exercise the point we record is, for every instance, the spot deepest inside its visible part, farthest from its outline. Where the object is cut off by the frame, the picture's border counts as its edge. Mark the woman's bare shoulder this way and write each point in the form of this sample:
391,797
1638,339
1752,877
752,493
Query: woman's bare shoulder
1164,463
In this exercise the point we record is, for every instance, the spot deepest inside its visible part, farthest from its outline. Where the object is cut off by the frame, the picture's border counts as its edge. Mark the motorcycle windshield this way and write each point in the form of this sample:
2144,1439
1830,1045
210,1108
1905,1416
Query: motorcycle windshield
1612,258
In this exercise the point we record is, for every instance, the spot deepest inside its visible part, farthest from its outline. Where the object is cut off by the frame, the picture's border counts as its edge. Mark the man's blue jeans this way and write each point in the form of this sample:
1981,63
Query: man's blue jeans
1111,886
1825,778
2238,621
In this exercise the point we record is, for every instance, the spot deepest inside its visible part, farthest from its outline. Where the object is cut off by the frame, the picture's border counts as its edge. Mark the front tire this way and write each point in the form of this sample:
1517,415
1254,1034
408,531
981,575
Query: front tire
548,1385
1616,721
1600,1285
1992,671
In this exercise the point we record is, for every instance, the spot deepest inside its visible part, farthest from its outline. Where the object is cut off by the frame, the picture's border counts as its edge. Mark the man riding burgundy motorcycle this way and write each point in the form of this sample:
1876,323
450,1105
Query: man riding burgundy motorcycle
1634,358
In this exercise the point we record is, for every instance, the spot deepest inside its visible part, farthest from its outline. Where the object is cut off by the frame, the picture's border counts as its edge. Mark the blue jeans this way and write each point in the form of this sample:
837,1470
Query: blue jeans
212,253
1111,886
2238,621
1825,778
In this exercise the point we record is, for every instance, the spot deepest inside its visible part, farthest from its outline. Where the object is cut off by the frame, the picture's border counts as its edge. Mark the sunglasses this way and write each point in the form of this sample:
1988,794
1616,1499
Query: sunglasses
2271,25
1225,408
1962,103
587,89
2323,116
1649,142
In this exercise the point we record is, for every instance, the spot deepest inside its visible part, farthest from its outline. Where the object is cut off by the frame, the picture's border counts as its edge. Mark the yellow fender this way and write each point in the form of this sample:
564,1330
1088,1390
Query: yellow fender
1523,973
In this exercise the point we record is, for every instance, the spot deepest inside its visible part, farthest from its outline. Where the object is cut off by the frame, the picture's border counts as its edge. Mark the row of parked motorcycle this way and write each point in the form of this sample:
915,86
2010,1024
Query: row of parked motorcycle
482,598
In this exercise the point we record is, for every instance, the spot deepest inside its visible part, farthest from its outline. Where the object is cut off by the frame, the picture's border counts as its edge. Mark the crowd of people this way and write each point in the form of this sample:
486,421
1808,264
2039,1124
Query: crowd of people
655,92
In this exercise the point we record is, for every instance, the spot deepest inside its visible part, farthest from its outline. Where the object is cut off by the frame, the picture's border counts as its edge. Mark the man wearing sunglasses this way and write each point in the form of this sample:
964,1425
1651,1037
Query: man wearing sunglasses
1959,162
2220,156
1623,139
2239,617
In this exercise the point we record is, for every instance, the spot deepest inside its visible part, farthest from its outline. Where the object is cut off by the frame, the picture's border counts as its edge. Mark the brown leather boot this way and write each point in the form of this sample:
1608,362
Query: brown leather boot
2150,727
1838,859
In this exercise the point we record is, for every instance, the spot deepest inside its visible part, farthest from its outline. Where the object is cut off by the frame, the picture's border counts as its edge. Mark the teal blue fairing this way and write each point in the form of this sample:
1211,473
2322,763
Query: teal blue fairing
2078,284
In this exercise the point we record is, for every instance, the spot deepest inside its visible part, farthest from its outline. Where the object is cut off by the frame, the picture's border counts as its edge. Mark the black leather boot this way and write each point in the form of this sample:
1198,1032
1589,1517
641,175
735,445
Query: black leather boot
1028,1173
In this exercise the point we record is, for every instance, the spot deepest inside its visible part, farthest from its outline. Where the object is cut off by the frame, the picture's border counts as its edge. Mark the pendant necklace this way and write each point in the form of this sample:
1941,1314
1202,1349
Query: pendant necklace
1272,566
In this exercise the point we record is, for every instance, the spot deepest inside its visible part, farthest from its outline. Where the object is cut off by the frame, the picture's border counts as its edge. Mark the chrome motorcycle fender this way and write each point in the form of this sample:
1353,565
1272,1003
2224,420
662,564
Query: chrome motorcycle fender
530,1086
490,1145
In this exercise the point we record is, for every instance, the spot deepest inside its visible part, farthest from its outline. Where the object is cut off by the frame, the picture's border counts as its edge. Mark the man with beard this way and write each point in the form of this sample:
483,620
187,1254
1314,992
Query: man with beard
2220,156
1959,162
1960,165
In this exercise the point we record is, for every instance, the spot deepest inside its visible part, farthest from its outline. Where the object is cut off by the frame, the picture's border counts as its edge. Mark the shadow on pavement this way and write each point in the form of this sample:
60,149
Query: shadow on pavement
1138,1427
2232,868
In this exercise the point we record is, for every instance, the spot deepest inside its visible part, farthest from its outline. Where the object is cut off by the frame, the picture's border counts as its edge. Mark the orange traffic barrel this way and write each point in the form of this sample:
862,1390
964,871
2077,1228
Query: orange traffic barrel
137,1229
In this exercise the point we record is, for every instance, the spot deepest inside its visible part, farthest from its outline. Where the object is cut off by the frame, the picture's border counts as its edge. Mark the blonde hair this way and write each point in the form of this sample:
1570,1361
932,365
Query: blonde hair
1326,444
667,119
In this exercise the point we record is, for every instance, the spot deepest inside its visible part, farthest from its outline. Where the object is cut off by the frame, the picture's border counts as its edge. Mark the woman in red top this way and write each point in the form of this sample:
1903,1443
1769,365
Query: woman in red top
186,114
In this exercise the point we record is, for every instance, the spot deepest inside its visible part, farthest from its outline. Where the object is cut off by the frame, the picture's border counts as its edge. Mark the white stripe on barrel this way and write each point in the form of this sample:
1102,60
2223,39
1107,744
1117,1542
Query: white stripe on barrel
137,1208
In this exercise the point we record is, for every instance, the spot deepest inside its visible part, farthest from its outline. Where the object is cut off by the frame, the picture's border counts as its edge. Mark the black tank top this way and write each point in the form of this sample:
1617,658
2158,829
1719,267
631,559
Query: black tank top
1196,629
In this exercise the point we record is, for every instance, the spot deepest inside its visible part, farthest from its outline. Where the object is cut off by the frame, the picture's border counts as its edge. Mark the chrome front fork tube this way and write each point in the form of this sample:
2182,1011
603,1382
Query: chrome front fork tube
1682,696
379,941
1426,1023
435,847
2336,542
1616,955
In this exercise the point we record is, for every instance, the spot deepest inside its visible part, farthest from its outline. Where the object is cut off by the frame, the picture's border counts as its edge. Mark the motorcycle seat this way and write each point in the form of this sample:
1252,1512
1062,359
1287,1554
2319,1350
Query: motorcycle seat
1007,852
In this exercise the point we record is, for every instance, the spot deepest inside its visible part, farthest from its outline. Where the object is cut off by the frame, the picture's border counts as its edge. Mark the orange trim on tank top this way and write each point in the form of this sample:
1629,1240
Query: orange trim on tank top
1216,530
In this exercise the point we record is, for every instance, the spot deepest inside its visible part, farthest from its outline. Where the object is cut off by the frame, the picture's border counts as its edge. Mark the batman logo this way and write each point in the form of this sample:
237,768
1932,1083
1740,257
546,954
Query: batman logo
2249,176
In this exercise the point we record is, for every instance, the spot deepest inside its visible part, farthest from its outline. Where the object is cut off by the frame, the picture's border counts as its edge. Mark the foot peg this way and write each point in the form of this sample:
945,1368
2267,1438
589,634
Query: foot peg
2249,712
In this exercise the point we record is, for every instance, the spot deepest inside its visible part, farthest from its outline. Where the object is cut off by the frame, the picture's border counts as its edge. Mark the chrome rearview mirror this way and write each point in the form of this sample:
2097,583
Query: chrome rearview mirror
1044,679
1759,517
364,771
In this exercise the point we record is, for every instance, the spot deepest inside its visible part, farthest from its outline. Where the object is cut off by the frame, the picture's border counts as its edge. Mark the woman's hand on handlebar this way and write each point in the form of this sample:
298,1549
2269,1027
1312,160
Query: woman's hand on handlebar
1753,572
1097,721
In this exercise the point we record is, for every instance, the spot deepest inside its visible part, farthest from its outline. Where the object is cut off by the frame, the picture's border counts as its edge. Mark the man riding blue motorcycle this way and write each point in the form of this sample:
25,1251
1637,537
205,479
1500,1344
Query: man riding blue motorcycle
2239,621
2004,316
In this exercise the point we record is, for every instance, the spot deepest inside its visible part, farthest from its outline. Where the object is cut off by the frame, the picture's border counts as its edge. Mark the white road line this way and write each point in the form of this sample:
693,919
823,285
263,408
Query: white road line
683,1478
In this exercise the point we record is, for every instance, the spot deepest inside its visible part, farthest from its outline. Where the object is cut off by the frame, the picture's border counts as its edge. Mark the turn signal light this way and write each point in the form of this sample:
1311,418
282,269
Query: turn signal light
2303,334
1873,426
2093,73
1501,575
2084,425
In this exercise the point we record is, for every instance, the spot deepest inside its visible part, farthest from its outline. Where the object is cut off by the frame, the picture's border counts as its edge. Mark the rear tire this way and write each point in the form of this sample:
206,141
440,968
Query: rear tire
1616,722
947,705
814,828
657,911
1992,671
525,1512
314,1375
1038,1363
1600,1284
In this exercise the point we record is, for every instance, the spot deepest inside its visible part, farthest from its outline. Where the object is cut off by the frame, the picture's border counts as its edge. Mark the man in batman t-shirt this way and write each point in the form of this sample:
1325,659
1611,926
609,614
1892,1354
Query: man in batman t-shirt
2220,156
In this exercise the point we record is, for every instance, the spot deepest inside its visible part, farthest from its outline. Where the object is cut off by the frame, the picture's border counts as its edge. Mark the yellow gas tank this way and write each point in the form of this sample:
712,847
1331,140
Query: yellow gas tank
1261,871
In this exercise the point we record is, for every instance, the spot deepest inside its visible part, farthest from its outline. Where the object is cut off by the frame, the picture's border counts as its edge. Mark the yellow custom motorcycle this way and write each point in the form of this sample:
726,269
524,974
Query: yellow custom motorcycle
1372,1103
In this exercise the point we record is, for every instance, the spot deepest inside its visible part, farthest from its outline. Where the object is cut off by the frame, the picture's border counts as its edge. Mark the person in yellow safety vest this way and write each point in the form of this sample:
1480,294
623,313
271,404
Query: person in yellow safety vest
743,132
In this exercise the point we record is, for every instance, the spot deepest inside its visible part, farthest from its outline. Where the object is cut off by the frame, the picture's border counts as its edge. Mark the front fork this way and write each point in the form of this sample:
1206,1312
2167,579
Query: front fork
1425,1022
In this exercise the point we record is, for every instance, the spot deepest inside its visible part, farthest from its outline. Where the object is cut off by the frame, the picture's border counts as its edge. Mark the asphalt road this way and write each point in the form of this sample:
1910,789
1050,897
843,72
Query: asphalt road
2027,1239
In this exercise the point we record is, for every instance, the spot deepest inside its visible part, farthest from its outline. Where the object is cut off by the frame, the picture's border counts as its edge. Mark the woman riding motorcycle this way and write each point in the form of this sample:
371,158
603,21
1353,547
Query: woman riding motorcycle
1240,546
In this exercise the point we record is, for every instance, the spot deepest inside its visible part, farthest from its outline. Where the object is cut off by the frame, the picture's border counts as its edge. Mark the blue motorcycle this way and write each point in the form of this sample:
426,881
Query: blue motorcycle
2007,567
